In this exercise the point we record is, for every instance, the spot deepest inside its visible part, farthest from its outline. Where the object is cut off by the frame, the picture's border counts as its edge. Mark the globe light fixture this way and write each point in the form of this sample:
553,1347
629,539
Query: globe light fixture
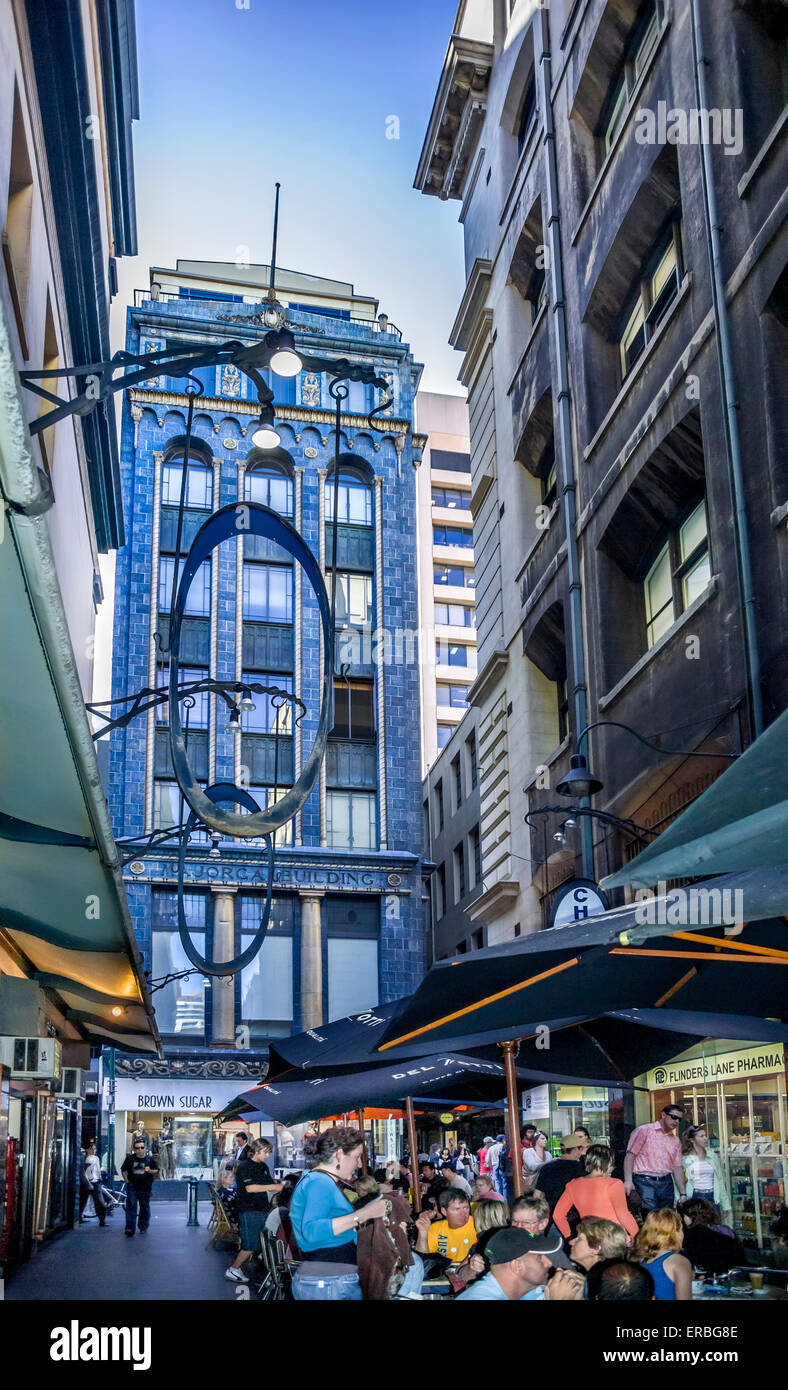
285,360
265,436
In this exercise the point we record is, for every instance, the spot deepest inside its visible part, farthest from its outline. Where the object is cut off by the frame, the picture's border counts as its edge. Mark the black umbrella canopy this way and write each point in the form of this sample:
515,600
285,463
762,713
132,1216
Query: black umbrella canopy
449,1078
617,961
333,1048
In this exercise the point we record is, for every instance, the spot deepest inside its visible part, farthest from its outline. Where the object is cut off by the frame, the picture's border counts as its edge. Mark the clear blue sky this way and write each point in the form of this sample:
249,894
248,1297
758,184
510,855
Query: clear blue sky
233,99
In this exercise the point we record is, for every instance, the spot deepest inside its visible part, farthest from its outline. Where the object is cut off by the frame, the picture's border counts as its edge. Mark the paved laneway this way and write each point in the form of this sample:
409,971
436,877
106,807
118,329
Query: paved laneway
88,1263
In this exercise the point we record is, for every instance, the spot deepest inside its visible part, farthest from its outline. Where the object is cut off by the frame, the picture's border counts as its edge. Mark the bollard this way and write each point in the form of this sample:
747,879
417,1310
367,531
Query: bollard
192,1200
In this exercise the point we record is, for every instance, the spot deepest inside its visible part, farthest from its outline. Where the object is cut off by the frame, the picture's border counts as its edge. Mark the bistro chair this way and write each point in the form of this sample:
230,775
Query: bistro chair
219,1223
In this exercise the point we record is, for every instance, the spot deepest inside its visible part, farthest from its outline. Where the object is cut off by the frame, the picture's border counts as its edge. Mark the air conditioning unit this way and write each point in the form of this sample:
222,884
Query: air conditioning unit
36,1058
71,1084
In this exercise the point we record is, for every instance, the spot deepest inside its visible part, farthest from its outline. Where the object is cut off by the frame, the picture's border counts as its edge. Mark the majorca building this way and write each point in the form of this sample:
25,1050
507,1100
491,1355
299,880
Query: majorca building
348,925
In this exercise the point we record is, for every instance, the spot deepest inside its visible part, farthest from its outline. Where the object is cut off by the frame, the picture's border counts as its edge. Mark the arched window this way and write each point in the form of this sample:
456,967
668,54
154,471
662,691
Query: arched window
272,485
355,497
199,483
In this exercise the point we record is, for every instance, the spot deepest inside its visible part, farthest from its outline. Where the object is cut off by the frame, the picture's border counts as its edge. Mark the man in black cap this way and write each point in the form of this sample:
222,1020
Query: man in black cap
520,1266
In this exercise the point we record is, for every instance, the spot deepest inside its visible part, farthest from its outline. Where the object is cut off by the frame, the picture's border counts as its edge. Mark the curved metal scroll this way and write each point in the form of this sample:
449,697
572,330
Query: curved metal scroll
231,522
223,791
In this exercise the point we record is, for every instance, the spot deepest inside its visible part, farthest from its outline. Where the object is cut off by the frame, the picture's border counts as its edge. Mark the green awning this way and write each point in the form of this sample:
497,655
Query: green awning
740,822
64,916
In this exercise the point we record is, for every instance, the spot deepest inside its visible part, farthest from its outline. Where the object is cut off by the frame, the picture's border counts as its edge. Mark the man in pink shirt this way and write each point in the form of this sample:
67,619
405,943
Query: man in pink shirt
653,1160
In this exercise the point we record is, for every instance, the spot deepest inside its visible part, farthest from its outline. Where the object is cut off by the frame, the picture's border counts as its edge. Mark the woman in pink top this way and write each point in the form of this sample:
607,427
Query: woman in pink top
597,1194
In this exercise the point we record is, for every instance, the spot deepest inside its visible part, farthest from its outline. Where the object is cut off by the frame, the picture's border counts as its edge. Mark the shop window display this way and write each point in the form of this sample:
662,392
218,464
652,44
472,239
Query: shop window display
182,1144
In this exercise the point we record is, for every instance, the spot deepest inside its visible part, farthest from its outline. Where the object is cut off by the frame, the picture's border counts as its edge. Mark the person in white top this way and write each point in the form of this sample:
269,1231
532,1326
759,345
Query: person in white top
91,1185
703,1170
535,1158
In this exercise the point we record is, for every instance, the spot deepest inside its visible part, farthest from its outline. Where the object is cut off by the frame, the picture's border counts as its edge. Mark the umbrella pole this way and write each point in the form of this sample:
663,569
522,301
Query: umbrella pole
507,1049
364,1161
414,1154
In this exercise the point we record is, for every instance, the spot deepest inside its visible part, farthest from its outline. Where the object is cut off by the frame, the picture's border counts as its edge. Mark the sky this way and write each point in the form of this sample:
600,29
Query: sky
237,94
234,98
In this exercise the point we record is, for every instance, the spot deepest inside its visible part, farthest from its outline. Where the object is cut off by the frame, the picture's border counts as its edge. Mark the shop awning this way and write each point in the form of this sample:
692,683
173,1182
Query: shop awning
617,961
64,917
740,822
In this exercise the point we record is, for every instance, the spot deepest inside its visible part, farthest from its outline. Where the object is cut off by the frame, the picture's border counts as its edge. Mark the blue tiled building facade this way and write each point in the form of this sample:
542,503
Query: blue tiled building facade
348,926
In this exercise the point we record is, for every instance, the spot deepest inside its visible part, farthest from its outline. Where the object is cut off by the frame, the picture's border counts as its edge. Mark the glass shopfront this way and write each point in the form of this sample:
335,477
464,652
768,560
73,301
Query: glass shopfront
739,1093
559,1110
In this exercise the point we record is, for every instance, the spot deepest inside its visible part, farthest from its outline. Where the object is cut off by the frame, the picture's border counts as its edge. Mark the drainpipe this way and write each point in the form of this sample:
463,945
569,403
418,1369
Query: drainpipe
565,452
728,386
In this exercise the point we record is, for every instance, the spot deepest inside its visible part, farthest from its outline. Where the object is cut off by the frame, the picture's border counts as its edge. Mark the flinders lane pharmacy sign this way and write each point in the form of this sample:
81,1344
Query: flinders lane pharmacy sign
719,1066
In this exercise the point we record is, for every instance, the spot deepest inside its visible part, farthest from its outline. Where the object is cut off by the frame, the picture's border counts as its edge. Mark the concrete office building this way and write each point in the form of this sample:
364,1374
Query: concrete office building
610,531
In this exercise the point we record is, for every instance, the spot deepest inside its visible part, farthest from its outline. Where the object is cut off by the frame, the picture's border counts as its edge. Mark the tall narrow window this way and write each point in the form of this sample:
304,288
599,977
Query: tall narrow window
351,820
459,870
268,593
198,600
456,769
438,794
199,485
355,502
473,765
271,486
680,572
476,850
642,42
656,291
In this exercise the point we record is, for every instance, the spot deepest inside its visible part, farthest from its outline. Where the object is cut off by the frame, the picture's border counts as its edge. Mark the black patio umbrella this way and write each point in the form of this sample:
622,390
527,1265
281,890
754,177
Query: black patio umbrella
333,1048
629,958
448,1078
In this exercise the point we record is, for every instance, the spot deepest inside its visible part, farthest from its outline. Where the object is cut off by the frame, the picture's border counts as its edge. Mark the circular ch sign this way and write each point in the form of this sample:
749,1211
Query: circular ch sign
576,900
447,1118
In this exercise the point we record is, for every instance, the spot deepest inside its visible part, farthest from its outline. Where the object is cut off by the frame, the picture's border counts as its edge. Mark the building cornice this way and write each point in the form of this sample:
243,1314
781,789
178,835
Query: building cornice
307,415
492,670
457,118
495,902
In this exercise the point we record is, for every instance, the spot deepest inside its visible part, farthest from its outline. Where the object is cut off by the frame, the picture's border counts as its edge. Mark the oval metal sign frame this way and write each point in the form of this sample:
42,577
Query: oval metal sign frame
233,522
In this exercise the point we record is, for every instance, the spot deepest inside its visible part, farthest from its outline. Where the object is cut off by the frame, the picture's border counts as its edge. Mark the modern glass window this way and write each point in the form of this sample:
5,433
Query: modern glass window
351,820
354,710
355,502
271,487
198,600
680,572
198,714
180,1005
455,696
451,497
452,535
354,599
454,615
167,810
658,287
268,593
266,984
352,975
456,575
641,45
452,654
199,485
445,732
271,715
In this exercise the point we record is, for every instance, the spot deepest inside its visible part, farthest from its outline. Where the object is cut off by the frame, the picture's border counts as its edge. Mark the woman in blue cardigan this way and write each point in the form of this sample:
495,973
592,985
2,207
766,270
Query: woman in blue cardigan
324,1222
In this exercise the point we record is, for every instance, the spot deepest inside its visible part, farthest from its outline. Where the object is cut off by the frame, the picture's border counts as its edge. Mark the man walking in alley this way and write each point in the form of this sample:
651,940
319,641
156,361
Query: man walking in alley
139,1169
653,1160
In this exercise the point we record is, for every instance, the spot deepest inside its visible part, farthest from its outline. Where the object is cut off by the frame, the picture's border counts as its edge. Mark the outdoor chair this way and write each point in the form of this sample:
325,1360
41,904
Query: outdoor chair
219,1224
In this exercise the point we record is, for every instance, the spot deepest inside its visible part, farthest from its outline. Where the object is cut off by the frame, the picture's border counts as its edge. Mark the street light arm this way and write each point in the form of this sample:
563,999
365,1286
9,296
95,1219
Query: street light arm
656,747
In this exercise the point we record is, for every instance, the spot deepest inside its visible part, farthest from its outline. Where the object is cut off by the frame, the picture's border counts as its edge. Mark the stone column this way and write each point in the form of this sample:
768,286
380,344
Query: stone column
223,987
311,959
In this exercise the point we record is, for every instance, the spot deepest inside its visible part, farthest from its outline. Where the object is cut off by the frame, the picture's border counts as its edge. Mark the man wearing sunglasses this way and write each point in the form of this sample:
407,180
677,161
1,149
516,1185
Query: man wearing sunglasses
653,1160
